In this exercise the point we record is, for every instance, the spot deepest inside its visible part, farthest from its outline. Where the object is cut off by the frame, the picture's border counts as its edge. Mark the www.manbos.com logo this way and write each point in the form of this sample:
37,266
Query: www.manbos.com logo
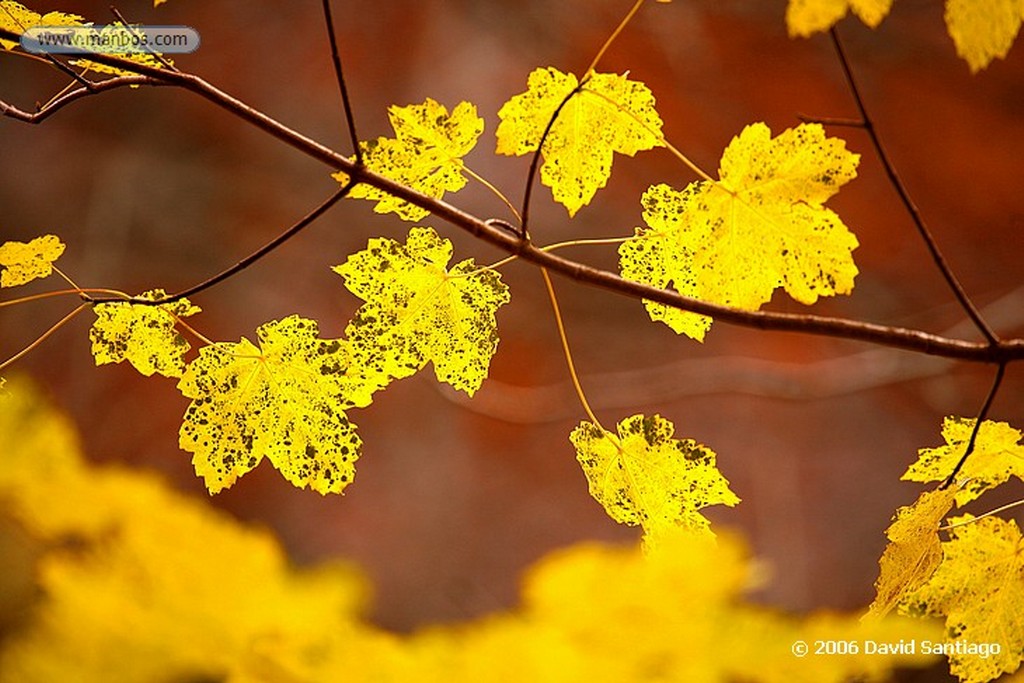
110,39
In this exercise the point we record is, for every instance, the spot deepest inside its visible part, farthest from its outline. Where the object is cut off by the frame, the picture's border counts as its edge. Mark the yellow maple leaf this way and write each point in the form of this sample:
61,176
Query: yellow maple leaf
997,456
979,590
143,335
641,475
914,550
610,114
983,30
762,225
425,154
284,400
419,311
804,17
22,262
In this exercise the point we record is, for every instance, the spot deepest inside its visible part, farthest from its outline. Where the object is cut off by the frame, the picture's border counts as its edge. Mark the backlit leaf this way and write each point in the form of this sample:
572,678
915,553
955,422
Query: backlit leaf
997,456
979,590
284,400
143,335
419,311
425,154
642,475
913,552
762,225
804,17
983,30
610,114
22,262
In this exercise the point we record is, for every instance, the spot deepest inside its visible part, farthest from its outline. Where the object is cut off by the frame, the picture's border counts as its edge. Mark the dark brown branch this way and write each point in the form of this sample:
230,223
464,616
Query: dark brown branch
1002,351
67,98
904,195
340,76
535,161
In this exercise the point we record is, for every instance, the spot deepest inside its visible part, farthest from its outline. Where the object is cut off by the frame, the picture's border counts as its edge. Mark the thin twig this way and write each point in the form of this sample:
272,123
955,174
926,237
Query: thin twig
904,195
340,75
248,260
982,414
535,161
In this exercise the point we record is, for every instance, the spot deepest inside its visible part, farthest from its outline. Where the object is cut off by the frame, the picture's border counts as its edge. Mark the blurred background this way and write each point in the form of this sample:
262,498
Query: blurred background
453,498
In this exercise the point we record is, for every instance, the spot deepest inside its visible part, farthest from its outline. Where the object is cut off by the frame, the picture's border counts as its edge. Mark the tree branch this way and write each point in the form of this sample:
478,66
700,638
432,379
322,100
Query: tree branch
1001,351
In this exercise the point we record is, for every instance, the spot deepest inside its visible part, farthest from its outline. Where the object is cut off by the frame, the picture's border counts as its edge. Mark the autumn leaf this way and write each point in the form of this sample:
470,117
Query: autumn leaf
979,590
609,114
762,225
284,400
419,311
425,154
22,262
641,475
143,335
983,30
804,17
997,456
914,550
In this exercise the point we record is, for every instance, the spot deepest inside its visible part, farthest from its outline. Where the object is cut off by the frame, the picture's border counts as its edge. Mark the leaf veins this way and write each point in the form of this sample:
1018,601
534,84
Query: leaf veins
641,475
418,311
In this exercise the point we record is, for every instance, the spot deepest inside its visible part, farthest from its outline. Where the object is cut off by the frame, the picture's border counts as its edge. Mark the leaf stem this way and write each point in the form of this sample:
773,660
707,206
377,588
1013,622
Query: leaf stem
999,509
615,34
675,151
43,337
490,186
568,353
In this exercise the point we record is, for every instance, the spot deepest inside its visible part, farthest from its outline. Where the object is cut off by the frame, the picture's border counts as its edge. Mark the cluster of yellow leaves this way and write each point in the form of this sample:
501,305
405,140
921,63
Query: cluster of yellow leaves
605,114
608,113
17,18
129,591
982,30
138,583
285,398
975,580
762,225
642,475
425,154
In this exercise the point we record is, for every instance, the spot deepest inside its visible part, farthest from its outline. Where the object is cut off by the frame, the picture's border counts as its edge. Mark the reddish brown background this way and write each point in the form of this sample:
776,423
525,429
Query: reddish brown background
452,500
